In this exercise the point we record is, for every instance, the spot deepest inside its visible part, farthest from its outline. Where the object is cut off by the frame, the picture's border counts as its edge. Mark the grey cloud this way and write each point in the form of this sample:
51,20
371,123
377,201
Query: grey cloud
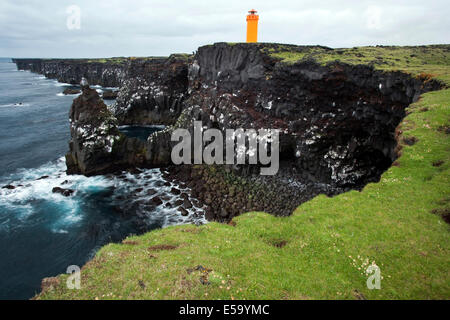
145,28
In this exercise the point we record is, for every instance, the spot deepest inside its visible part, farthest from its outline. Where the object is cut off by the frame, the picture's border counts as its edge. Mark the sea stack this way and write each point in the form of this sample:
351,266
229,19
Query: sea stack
94,132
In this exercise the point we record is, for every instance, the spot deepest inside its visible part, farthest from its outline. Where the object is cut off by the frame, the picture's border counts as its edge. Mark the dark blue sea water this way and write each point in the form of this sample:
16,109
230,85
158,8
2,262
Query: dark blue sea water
140,132
42,233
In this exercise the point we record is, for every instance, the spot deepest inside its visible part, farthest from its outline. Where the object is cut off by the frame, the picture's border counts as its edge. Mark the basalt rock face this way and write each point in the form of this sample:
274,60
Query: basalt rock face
159,145
337,121
106,74
153,92
96,145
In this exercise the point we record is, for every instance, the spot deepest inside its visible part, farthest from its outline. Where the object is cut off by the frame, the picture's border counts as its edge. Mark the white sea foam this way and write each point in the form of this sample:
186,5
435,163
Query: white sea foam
17,105
70,95
61,84
59,231
152,179
33,185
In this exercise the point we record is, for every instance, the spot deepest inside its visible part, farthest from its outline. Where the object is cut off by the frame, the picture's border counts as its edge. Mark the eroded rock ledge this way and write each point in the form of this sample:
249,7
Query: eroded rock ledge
96,145
337,121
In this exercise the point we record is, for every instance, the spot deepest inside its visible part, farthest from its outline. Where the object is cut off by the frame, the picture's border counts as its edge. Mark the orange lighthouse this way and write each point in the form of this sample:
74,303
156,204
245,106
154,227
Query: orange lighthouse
252,26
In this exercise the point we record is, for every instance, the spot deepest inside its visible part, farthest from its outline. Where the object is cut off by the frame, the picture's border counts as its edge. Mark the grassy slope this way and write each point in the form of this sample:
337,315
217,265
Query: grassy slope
330,241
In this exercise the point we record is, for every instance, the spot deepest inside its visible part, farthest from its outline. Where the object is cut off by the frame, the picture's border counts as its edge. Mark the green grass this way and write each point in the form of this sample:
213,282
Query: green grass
116,60
328,241
119,60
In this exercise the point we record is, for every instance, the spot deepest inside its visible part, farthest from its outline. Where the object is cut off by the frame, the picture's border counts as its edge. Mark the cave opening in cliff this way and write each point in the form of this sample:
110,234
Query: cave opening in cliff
287,153
140,132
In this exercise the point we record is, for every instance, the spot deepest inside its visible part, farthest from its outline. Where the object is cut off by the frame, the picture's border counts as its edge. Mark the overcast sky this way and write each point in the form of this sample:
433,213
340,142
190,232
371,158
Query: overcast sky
48,28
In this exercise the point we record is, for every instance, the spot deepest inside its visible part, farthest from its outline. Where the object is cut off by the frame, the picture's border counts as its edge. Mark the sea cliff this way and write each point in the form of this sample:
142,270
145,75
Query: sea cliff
356,118
337,119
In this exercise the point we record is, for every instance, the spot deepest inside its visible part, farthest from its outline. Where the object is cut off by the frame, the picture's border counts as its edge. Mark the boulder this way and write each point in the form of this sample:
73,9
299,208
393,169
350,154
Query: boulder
183,211
71,91
64,192
187,204
157,200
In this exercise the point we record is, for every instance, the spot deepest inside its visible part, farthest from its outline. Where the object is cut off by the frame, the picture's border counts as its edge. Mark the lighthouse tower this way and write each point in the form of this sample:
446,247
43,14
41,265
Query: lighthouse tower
252,26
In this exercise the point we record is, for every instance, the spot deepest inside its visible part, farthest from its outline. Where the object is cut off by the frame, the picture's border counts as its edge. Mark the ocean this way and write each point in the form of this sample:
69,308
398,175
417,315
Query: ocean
42,233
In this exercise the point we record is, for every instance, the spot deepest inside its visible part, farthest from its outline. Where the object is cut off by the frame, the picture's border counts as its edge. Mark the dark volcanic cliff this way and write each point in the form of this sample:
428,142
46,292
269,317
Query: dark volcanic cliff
337,121
106,74
152,89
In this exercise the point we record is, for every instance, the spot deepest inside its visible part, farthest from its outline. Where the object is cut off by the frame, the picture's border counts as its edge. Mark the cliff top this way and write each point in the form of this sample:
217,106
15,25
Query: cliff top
433,59
430,61
112,60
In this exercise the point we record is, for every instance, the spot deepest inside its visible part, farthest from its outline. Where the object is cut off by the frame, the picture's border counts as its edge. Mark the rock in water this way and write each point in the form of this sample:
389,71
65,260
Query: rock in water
64,192
183,211
96,145
157,200
94,134
71,91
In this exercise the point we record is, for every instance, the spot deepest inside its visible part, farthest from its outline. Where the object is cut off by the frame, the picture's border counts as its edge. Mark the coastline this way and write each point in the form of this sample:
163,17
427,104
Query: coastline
317,239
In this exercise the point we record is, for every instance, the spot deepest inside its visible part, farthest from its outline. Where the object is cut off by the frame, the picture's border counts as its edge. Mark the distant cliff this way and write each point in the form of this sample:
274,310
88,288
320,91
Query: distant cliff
152,89
107,73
